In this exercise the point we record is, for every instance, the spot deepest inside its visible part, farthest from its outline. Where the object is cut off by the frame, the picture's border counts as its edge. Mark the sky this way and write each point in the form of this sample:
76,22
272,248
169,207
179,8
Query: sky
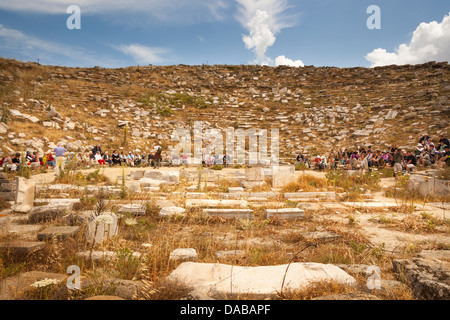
335,33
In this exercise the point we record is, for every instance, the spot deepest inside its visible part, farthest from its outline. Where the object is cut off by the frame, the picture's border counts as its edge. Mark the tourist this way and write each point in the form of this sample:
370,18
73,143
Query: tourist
317,161
98,157
60,159
71,158
424,138
50,160
364,164
443,141
130,159
123,158
92,160
398,160
107,159
419,149
143,158
8,163
429,143
29,157
137,159
97,149
158,157
410,161
150,160
115,158
424,158
445,159
354,160
184,159
79,159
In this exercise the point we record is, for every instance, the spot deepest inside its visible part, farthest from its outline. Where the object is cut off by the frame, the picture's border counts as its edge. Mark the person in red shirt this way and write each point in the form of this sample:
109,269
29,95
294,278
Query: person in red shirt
50,160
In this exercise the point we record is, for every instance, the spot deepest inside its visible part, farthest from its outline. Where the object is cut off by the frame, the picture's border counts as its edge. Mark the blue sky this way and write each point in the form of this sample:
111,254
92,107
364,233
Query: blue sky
194,32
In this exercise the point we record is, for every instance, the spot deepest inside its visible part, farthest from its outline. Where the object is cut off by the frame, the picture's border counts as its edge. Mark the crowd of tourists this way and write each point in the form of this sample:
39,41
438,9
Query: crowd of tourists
426,153
60,157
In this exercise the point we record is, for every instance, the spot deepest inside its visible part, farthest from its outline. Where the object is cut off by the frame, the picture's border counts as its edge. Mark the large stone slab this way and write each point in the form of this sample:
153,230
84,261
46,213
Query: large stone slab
372,204
22,248
171,212
184,254
228,213
136,175
61,232
285,213
196,195
172,176
429,278
25,232
133,208
309,195
216,203
49,212
218,280
254,173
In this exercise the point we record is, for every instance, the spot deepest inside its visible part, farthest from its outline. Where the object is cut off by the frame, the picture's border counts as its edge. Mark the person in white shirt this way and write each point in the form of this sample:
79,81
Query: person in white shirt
99,158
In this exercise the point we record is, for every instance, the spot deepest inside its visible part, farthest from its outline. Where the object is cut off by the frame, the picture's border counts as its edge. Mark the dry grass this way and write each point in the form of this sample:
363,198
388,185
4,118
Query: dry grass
316,290
306,183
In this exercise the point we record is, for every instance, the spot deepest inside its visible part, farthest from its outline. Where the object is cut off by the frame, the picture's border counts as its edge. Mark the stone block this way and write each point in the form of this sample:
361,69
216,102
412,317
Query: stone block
134,208
184,254
254,173
24,199
171,212
309,195
23,248
285,213
49,212
282,175
218,280
102,227
62,232
228,213
216,203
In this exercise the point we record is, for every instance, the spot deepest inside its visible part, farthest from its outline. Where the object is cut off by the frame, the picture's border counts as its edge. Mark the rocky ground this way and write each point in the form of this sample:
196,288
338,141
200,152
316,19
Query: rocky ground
173,227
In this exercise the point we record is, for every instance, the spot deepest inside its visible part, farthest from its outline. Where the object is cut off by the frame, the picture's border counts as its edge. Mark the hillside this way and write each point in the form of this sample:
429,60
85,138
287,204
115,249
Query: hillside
315,109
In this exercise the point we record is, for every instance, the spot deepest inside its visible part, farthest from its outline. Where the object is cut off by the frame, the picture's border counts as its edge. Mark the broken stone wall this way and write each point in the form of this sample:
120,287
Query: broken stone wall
7,188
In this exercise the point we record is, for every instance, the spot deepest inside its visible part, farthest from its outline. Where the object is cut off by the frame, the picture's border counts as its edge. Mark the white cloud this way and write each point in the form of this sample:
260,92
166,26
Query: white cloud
429,42
33,48
283,61
179,11
263,19
143,54
260,38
